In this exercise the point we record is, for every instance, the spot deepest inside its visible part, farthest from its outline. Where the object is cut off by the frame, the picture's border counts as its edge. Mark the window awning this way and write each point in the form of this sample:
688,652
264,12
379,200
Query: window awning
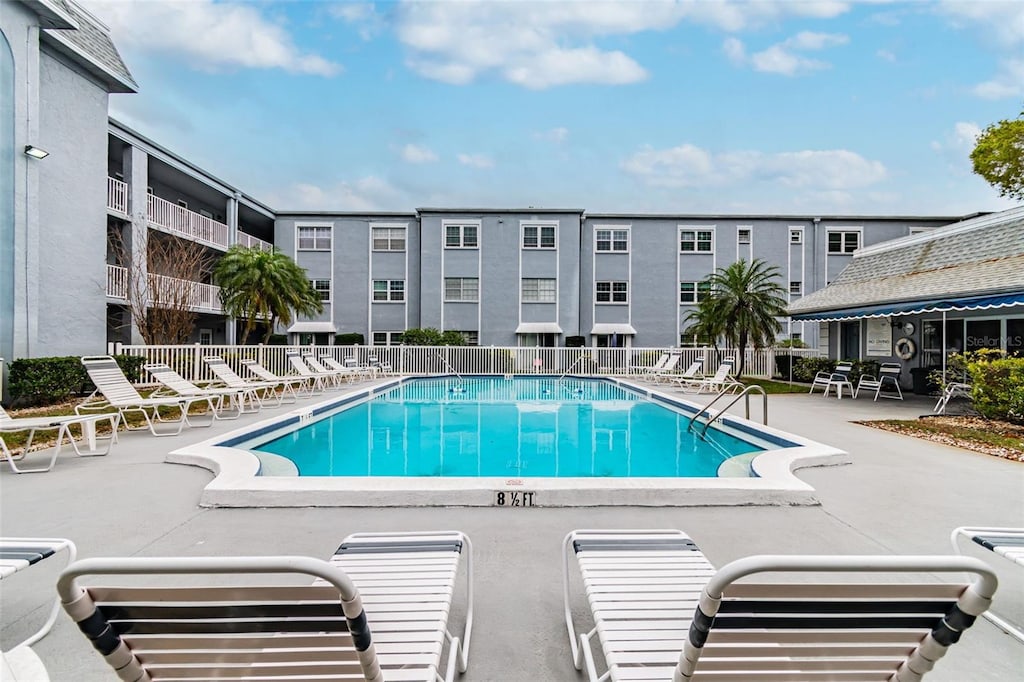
312,328
916,308
538,328
608,328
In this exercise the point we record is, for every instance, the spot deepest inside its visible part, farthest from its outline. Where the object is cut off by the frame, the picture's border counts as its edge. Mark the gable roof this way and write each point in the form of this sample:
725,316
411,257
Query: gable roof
975,258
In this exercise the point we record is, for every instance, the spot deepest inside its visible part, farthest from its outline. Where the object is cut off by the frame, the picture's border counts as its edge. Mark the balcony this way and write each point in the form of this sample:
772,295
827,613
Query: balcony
185,223
117,196
251,242
204,298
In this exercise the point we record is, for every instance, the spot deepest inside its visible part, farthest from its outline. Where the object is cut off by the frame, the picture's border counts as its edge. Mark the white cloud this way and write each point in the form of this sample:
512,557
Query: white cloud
369,193
1003,21
784,58
363,15
1009,82
475,160
734,50
413,153
691,166
956,146
544,44
555,135
209,35
887,55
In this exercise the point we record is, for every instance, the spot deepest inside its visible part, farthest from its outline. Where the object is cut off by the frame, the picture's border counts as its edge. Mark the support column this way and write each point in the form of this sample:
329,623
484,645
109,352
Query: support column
231,211
136,234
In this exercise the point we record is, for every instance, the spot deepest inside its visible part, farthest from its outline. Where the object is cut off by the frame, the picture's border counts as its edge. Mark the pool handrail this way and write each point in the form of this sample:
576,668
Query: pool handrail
745,393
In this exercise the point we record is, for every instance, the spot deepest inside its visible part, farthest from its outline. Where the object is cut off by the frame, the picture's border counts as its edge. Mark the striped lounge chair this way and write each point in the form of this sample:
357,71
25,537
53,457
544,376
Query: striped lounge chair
377,611
1005,542
662,612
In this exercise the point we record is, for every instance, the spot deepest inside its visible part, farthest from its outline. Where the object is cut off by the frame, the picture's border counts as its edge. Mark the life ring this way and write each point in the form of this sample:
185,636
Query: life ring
906,349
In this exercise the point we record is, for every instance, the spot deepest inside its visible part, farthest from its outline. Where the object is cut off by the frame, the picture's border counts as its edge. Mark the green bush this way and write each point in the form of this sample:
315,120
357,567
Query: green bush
428,336
804,369
997,388
46,381
278,340
575,341
349,339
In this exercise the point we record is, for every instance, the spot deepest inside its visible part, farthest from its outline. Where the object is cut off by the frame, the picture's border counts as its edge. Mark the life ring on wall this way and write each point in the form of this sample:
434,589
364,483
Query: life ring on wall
906,349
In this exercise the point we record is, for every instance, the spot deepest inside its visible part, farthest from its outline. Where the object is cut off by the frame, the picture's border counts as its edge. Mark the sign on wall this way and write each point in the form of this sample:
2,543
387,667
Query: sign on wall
879,337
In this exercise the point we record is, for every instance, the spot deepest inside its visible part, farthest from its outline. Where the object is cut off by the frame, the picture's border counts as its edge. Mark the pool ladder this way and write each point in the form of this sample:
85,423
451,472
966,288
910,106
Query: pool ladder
450,368
745,393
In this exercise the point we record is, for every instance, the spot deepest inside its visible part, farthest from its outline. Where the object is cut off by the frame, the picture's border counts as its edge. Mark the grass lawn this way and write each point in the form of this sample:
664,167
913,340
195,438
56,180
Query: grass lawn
992,437
771,387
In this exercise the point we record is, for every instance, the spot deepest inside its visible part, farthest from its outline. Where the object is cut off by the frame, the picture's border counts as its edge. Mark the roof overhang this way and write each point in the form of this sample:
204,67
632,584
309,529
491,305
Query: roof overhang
312,328
609,328
538,328
1007,300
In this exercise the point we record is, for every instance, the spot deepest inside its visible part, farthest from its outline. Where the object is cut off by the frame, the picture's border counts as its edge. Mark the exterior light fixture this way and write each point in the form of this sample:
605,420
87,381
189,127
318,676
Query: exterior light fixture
36,152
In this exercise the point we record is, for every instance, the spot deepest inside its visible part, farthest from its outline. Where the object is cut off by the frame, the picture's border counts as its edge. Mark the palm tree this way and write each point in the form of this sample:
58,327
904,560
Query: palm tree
744,303
258,284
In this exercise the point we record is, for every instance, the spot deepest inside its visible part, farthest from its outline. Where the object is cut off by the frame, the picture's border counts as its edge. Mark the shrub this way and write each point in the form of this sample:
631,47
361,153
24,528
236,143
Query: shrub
349,339
278,340
804,369
575,341
428,336
46,381
998,388
791,343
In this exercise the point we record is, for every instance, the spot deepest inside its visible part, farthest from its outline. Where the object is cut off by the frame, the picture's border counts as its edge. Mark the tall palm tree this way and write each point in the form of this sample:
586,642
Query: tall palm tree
258,284
745,301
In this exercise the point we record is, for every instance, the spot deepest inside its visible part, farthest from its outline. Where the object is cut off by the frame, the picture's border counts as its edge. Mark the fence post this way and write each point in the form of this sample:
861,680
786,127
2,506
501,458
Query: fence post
259,355
197,359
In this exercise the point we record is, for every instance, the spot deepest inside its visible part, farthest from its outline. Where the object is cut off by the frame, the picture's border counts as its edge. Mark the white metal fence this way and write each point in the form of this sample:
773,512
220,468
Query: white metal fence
426,360
117,195
185,222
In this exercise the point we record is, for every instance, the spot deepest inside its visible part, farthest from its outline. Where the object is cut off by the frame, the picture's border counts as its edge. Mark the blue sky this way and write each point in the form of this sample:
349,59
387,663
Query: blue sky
782,106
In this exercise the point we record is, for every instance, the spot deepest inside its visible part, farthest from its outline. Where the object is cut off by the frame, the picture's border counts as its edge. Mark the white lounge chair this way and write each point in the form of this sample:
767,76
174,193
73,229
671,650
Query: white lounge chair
335,376
666,371
662,612
690,374
1005,542
839,379
317,381
383,368
718,382
236,397
62,425
888,375
954,389
377,611
289,384
352,373
117,392
655,368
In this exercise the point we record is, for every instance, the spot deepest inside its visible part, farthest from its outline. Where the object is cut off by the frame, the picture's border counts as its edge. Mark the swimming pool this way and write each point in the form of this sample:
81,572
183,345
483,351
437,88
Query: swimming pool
249,478
507,427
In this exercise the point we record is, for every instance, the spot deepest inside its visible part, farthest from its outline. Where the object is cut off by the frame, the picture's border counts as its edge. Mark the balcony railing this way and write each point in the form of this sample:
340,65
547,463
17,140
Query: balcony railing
186,223
172,291
117,195
251,242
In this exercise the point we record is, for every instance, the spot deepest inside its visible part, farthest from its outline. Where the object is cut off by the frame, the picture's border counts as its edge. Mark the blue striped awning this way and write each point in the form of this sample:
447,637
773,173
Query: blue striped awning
915,308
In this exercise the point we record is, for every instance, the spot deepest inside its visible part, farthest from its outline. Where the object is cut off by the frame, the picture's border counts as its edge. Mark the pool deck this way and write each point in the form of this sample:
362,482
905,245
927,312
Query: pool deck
900,495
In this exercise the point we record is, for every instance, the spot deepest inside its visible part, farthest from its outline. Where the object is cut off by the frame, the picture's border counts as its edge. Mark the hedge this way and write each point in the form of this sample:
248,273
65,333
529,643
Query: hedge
997,388
46,381
349,339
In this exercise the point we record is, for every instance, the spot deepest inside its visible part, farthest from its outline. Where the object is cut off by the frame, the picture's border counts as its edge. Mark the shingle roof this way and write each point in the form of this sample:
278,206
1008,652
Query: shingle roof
976,257
91,46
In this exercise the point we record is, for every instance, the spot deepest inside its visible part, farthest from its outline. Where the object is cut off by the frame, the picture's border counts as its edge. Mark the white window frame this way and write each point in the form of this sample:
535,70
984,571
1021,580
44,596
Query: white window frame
471,337
390,338
183,204
701,290
329,290
390,237
317,237
462,293
611,293
611,231
539,227
536,292
390,292
796,235
461,225
796,288
206,337
749,231
696,240
843,245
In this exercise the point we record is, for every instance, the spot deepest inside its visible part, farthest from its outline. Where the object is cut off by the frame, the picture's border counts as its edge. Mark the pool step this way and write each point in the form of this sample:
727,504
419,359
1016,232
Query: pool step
275,465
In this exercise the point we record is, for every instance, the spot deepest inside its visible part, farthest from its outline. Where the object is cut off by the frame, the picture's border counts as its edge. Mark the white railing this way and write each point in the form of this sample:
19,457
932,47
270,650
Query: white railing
248,241
186,223
465,360
117,195
200,297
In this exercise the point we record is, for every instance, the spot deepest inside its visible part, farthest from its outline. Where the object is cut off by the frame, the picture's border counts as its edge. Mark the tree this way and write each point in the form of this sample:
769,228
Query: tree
998,157
268,285
429,336
743,305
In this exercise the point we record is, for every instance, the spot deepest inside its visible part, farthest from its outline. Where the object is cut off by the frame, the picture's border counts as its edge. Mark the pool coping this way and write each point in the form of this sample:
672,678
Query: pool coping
237,481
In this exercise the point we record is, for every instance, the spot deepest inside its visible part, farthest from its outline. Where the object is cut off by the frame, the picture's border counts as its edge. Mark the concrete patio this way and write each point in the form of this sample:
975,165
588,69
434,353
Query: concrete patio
900,496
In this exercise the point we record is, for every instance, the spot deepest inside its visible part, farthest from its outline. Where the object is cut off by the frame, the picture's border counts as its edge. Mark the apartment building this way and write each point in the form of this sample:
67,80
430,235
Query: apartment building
83,220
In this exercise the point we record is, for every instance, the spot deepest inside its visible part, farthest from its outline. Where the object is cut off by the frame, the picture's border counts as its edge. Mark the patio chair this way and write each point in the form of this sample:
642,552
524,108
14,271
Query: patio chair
317,381
234,629
236,397
691,373
656,367
352,372
335,376
719,382
662,612
383,368
954,389
666,371
114,390
888,375
839,378
1005,542
289,384
62,425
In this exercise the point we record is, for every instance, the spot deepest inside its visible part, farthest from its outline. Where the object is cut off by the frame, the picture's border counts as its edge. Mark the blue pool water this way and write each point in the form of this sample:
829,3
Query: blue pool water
516,427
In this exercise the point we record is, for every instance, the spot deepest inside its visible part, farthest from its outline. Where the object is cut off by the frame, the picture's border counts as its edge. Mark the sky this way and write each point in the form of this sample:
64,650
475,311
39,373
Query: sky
690,106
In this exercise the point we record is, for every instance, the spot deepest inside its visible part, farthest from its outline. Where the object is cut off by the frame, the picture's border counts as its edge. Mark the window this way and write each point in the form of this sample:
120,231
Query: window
206,337
182,203
693,292
461,289
796,236
612,292
472,338
315,238
538,236
796,288
389,239
743,235
796,336
387,338
391,290
460,236
322,287
843,242
696,241
538,290
612,240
